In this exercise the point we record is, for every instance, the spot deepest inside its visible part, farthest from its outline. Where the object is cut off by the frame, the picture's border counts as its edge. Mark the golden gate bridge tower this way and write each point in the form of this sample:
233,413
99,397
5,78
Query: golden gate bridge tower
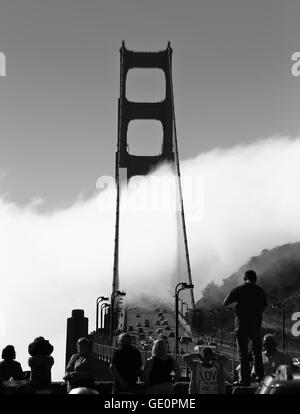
139,165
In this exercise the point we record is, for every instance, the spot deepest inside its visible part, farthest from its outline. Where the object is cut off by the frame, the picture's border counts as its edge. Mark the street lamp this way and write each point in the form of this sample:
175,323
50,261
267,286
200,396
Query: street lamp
221,326
179,287
104,305
99,299
180,301
105,315
214,312
281,307
188,318
112,302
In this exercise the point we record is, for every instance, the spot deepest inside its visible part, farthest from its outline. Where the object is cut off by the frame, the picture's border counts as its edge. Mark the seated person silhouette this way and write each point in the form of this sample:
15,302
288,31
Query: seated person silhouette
81,369
9,368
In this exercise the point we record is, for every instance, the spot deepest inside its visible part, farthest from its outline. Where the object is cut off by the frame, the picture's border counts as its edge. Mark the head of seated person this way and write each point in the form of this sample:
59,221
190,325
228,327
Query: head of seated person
83,390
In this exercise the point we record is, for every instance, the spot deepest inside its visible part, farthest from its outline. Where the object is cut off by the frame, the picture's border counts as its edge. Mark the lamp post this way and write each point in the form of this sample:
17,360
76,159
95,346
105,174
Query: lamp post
180,302
104,305
105,314
179,287
221,326
232,333
188,315
214,313
99,299
112,302
281,307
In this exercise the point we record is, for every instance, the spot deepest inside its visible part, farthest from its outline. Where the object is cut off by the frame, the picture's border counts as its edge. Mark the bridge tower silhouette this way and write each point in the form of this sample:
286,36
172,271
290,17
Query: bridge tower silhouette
129,165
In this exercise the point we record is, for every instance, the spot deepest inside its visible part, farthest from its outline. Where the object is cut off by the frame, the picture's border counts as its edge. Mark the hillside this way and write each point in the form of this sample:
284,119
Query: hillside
278,273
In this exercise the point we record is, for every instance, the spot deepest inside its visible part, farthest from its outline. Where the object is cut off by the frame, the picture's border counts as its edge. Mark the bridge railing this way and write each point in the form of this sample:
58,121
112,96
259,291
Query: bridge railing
105,353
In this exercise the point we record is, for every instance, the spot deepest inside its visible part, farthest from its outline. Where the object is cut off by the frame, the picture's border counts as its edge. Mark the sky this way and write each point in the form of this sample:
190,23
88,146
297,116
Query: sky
231,70
237,118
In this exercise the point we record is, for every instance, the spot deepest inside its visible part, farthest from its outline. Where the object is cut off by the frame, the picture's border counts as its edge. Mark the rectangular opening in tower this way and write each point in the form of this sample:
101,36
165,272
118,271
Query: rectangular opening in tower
145,137
145,85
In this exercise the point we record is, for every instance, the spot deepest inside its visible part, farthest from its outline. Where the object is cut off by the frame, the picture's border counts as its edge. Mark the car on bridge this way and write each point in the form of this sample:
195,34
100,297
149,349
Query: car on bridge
164,337
185,340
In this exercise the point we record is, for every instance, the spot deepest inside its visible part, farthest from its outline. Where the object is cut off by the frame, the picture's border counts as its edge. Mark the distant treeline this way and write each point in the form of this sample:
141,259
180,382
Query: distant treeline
278,273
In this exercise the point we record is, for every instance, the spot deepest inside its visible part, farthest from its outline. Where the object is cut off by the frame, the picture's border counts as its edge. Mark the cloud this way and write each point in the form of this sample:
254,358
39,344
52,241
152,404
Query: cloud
241,200
53,263
251,202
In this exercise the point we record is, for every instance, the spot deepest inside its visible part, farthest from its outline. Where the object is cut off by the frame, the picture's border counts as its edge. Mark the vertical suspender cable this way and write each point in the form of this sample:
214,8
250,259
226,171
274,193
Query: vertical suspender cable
179,181
115,284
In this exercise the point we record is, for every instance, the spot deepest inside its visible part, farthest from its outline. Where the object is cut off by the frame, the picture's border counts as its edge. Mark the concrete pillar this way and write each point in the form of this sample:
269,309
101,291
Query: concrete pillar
77,327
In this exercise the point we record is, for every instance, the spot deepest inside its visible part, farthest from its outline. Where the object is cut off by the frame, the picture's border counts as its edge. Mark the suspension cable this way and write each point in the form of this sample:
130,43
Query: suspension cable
179,181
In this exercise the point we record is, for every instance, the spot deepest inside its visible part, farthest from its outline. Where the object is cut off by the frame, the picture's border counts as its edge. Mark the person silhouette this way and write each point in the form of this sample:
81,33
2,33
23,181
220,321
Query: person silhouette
250,302
82,367
9,368
40,363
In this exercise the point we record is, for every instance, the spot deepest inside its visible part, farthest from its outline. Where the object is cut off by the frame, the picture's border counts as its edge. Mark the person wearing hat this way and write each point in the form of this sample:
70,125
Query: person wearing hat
40,363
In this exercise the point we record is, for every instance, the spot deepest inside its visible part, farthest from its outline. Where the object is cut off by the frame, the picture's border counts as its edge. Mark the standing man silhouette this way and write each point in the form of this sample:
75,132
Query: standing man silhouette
250,302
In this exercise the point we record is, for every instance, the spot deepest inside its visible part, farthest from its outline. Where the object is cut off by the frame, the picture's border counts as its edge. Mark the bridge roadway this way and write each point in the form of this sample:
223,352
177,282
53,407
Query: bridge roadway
104,353
145,325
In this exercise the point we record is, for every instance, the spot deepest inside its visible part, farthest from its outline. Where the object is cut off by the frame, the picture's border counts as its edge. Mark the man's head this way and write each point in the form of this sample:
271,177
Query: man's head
124,340
250,276
207,354
269,343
